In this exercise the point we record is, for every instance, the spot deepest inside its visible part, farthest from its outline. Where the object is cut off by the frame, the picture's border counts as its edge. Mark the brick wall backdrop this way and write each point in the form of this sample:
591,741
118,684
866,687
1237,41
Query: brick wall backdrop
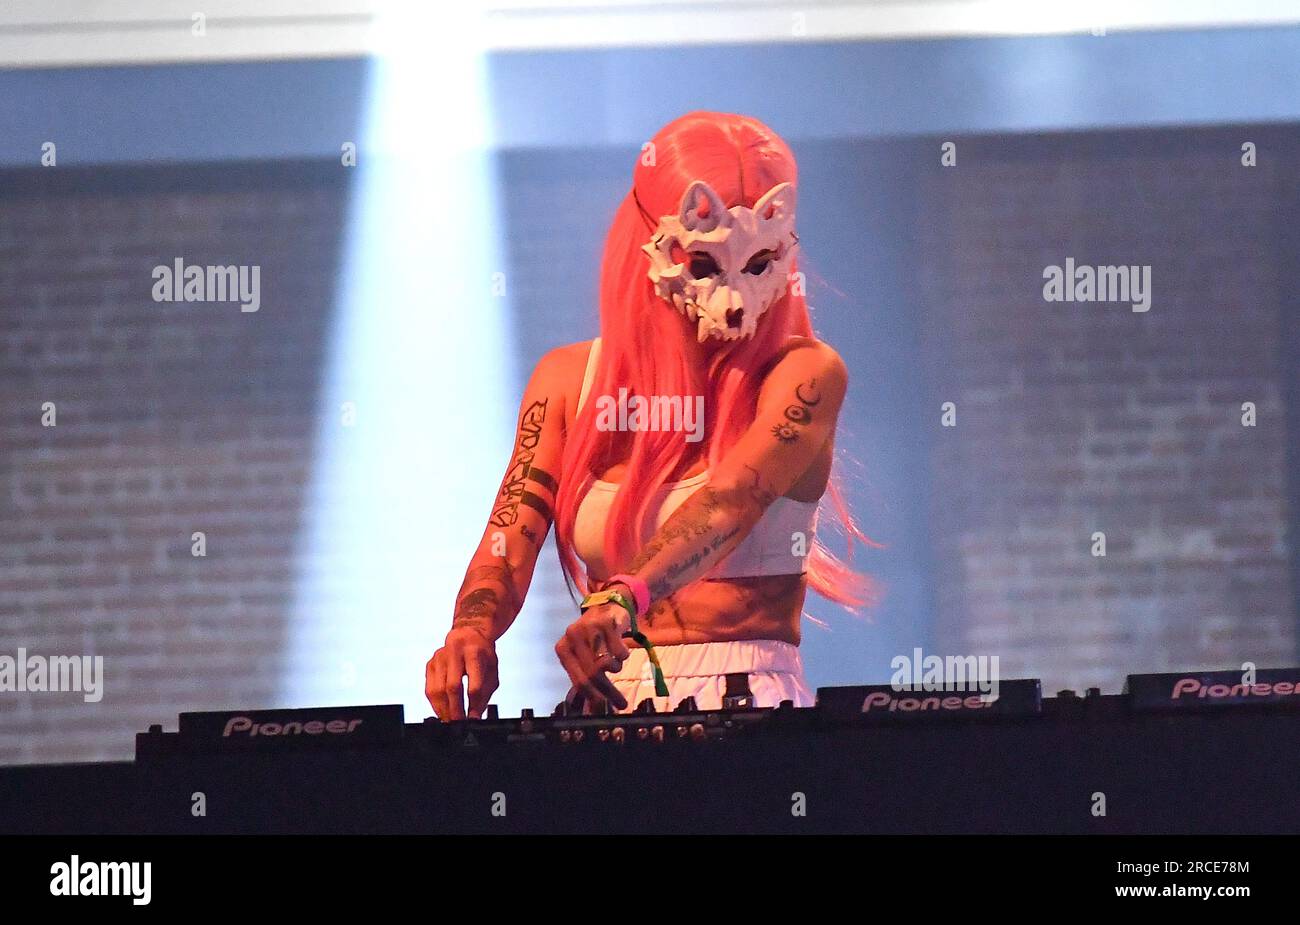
1072,417
1082,417
171,418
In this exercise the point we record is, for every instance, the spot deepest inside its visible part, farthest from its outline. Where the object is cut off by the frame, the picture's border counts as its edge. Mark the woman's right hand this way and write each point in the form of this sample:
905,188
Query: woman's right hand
591,646
466,653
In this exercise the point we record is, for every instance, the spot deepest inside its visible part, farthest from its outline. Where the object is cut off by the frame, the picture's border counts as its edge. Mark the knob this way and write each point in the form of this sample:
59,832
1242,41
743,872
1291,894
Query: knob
493,711
646,706
686,705
526,713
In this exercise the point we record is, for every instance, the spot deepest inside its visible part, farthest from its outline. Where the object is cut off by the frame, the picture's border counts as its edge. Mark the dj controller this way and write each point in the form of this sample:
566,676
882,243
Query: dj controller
1201,752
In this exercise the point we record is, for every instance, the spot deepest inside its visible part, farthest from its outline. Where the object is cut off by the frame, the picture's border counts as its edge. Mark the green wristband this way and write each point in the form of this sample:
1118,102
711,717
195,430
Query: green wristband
597,598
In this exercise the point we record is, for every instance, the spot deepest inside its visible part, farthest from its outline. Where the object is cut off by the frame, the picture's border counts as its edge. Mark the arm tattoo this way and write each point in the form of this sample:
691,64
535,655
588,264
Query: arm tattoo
814,396
664,607
807,396
693,538
690,536
786,433
479,607
513,492
476,609
690,560
759,493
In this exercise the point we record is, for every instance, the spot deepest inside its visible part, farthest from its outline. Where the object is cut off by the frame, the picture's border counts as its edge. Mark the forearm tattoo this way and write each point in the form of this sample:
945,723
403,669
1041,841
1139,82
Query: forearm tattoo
691,537
514,489
479,607
476,610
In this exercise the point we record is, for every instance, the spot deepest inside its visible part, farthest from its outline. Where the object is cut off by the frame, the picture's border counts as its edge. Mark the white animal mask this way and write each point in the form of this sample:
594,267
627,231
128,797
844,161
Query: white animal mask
732,263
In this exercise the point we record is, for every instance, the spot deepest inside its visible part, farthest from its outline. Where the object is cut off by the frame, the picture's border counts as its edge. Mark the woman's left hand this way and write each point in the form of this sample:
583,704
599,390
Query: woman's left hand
592,646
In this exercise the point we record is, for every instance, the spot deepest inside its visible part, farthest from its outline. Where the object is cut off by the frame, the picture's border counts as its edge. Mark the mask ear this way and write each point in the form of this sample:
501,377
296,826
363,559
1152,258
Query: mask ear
776,204
688,213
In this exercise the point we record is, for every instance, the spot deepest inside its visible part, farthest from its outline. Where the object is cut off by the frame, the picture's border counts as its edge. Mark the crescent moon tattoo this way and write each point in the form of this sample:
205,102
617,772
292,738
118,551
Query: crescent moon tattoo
810,402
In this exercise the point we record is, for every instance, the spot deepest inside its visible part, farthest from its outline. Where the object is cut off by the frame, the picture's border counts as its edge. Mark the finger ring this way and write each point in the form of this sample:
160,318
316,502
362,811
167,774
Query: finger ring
602,655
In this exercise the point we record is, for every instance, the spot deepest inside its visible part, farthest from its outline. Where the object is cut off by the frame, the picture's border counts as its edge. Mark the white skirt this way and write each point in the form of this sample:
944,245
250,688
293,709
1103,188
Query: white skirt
699,670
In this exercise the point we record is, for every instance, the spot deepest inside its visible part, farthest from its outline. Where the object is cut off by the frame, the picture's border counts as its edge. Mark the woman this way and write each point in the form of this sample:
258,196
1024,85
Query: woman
694,538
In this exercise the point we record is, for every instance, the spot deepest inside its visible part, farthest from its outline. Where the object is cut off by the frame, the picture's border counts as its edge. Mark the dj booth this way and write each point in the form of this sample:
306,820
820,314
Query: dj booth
1186,753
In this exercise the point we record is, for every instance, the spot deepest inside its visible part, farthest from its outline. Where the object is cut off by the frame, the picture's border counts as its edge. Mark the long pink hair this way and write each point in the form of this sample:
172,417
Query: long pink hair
643,347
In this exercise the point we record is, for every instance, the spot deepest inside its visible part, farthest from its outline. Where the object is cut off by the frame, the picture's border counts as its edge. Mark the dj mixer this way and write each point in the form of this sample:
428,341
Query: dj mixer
1208,752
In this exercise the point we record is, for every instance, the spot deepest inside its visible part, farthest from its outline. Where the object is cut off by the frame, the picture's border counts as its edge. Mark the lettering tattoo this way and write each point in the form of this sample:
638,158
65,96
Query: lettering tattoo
513,491
530,535
690,560
690,536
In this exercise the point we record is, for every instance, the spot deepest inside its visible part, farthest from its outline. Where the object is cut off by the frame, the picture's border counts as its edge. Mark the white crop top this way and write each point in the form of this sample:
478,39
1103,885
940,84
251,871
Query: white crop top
772,547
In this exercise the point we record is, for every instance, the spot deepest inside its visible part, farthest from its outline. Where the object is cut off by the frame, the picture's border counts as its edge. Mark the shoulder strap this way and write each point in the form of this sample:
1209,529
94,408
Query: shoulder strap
589,373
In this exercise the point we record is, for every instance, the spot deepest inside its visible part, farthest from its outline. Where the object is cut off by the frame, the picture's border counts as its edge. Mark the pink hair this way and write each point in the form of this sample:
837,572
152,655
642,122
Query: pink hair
643,347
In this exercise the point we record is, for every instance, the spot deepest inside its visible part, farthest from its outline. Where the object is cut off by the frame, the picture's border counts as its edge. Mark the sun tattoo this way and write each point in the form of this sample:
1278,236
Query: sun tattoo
786,433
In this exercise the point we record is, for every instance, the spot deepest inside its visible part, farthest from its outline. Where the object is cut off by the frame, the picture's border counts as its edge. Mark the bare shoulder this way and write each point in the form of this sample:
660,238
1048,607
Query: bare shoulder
803,358
557,377
558,367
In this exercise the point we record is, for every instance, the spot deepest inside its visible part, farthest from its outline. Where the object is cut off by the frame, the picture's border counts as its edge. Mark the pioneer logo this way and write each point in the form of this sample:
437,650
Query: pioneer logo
1193,687
884,701
1275,688
245,726
312,727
